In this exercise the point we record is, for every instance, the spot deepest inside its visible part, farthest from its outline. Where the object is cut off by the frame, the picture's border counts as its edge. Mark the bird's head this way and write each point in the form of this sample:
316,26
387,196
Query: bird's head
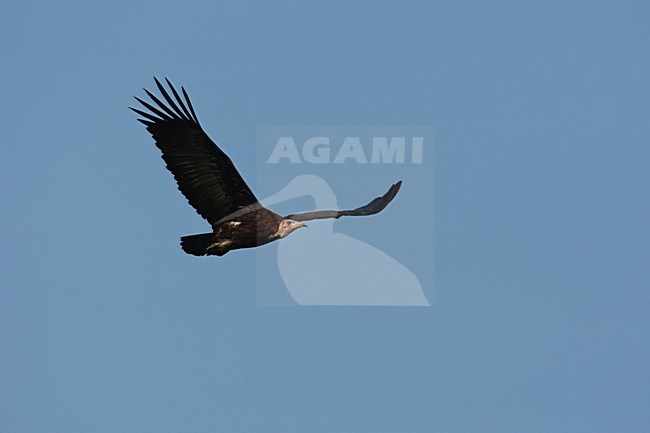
287,226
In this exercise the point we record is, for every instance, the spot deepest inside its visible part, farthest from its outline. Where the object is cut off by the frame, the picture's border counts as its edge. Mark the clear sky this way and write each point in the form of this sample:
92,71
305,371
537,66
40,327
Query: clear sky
540,320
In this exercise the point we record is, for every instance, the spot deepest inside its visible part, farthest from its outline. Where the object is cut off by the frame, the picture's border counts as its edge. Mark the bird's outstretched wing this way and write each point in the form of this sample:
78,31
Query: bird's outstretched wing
204,173
375,206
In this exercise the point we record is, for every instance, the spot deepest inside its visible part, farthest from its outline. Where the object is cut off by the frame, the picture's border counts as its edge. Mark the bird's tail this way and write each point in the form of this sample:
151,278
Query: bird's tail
197,245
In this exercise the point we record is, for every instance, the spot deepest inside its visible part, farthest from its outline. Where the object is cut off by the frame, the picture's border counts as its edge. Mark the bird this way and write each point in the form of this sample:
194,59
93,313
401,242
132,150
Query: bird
210,182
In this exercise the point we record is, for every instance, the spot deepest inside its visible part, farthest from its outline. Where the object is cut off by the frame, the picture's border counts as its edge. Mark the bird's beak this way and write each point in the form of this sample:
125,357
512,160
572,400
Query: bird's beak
302,224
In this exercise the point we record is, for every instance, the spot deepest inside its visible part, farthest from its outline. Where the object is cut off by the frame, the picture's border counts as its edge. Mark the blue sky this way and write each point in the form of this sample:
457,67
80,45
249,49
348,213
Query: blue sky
540,321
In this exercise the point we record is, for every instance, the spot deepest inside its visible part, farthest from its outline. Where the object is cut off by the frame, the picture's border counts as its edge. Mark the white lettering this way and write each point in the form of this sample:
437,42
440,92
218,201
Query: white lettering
388,152
416,155
284,148
351,148
314,154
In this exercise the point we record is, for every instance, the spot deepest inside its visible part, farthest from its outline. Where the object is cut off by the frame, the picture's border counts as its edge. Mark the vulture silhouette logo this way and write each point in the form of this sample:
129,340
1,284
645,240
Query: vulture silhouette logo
212,185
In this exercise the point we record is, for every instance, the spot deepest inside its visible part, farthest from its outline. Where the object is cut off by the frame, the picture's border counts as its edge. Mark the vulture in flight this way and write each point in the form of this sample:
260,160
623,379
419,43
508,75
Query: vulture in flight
212,185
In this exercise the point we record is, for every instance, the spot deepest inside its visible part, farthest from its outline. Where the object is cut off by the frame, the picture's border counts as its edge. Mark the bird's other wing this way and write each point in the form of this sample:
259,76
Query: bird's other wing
375,206
204,173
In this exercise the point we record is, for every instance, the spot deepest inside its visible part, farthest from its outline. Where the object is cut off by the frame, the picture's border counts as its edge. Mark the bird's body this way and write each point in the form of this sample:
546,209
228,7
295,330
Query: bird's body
209,180
251,229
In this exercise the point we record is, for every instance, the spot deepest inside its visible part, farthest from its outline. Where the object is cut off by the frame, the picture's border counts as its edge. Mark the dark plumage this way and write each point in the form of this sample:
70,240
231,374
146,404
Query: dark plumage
209,180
